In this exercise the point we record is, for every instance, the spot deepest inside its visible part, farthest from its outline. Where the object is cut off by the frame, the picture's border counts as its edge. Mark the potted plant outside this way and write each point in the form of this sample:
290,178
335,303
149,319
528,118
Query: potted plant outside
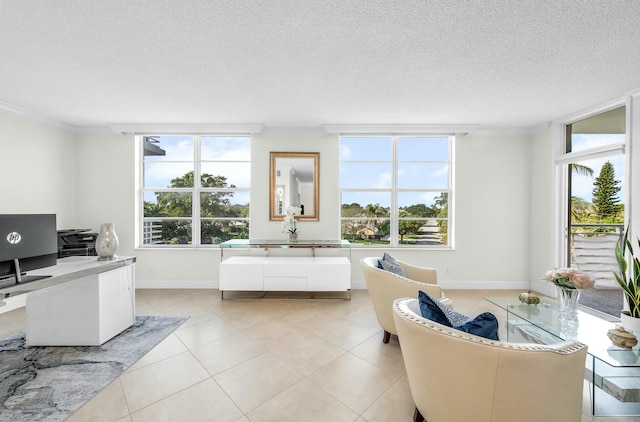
629,282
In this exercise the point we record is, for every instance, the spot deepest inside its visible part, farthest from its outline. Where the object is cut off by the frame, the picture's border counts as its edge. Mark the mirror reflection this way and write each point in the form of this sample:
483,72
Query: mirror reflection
294,182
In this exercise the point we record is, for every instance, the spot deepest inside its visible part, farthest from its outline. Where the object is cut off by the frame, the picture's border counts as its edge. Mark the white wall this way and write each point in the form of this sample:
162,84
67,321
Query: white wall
106,186
504,199
544,203
37,169
91,180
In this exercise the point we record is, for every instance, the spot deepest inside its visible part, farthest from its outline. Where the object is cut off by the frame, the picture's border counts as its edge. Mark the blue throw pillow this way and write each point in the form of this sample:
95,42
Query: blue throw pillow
430,310
389,263
484,325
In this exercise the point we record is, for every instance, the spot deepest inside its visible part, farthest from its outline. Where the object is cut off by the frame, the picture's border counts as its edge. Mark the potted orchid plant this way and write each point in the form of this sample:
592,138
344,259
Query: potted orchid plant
289,223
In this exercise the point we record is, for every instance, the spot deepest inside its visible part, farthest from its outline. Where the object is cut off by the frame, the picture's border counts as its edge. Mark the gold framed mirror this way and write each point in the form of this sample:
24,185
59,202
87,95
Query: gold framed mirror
293,181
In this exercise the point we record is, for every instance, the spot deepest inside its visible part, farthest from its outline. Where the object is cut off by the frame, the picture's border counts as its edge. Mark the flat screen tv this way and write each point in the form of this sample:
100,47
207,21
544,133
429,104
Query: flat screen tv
27,242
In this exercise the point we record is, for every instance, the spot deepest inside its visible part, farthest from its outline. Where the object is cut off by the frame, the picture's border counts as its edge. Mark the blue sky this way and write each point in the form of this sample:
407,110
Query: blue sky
582,186
366,163
179,159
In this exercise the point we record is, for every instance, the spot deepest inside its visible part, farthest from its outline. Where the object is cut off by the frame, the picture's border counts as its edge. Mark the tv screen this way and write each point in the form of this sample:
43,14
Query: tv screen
27,242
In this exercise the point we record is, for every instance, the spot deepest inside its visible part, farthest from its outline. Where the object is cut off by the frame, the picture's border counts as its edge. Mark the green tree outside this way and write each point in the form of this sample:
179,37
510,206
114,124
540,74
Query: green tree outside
605,193
212,205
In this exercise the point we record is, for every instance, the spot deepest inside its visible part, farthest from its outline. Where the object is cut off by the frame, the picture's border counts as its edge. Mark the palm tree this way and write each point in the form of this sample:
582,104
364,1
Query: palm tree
579,206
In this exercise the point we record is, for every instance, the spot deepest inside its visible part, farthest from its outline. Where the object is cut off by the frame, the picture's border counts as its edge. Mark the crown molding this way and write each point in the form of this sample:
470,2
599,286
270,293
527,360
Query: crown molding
294,131
177,128
398,129
49,121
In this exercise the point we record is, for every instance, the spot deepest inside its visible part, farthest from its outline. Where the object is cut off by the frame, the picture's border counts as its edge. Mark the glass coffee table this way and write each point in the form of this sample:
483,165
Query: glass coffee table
613,372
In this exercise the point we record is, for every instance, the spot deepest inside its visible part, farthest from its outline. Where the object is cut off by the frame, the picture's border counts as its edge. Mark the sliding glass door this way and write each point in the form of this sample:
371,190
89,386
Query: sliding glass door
595,191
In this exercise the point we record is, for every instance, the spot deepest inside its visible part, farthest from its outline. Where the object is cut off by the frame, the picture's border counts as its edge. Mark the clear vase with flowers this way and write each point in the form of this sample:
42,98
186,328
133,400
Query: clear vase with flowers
569,282
289,223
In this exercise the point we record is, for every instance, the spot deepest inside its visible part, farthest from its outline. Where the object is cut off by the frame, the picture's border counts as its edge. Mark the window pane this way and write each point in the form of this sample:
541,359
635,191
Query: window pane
602,129
168,175
168,148
223,175
423,204
365,175
597,200
419,189
166,232
366,231
422,232
224,204
365,149
423,175
167,204
214,232
366,204
171,170
423,148
225,148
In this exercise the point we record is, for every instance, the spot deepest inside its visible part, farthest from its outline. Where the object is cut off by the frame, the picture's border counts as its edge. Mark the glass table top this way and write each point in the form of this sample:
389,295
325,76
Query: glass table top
284,243
589,330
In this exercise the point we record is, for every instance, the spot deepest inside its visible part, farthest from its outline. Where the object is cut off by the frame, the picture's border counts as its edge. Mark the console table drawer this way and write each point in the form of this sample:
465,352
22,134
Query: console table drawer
329,275
288,268
241,275
285,283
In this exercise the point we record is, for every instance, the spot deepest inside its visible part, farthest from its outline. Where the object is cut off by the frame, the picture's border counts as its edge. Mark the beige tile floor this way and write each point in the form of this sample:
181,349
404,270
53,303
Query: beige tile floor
272,359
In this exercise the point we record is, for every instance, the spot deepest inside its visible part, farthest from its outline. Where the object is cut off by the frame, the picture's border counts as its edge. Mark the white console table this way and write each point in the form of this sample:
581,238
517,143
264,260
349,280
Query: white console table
285,273
84,302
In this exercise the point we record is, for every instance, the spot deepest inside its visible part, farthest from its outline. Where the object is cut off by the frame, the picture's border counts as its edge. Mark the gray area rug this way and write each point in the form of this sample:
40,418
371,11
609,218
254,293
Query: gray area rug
50,383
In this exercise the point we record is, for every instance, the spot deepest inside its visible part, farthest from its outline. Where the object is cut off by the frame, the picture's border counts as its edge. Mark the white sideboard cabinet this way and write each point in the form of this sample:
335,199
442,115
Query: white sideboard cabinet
283,272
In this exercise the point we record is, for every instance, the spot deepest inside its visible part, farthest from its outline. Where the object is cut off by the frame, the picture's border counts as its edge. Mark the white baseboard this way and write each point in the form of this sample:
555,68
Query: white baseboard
177,284
204,284
355,285
485,285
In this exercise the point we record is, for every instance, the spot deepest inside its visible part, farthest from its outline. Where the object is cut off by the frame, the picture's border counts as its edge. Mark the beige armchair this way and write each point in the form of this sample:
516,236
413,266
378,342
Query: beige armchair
385,287
459,377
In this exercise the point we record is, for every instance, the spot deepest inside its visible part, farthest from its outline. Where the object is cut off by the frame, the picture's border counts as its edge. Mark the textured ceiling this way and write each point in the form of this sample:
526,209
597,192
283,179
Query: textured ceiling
308,63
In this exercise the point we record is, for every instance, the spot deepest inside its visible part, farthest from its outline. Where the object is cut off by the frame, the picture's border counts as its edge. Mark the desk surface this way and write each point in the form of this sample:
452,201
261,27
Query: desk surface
69,268
590,329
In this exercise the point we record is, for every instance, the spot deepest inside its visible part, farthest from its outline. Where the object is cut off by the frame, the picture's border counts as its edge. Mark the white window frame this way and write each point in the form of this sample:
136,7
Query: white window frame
196,190
394,238
563,159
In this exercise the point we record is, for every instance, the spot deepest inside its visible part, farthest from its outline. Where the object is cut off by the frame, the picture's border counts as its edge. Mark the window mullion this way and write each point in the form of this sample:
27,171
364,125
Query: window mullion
195,217
393,212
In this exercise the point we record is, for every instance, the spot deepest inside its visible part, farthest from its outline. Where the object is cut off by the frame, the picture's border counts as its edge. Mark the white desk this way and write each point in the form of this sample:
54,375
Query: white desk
85,302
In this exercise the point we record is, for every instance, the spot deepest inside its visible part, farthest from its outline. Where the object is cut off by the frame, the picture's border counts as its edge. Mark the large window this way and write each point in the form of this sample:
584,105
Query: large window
195,189
396,190
593,164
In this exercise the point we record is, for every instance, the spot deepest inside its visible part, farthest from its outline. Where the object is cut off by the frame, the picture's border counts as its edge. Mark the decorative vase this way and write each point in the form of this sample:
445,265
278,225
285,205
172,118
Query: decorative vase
568,303
107,242
630,323
293,237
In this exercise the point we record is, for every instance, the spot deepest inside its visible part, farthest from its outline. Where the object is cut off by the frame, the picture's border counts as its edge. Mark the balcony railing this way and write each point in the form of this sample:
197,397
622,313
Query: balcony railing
592,251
